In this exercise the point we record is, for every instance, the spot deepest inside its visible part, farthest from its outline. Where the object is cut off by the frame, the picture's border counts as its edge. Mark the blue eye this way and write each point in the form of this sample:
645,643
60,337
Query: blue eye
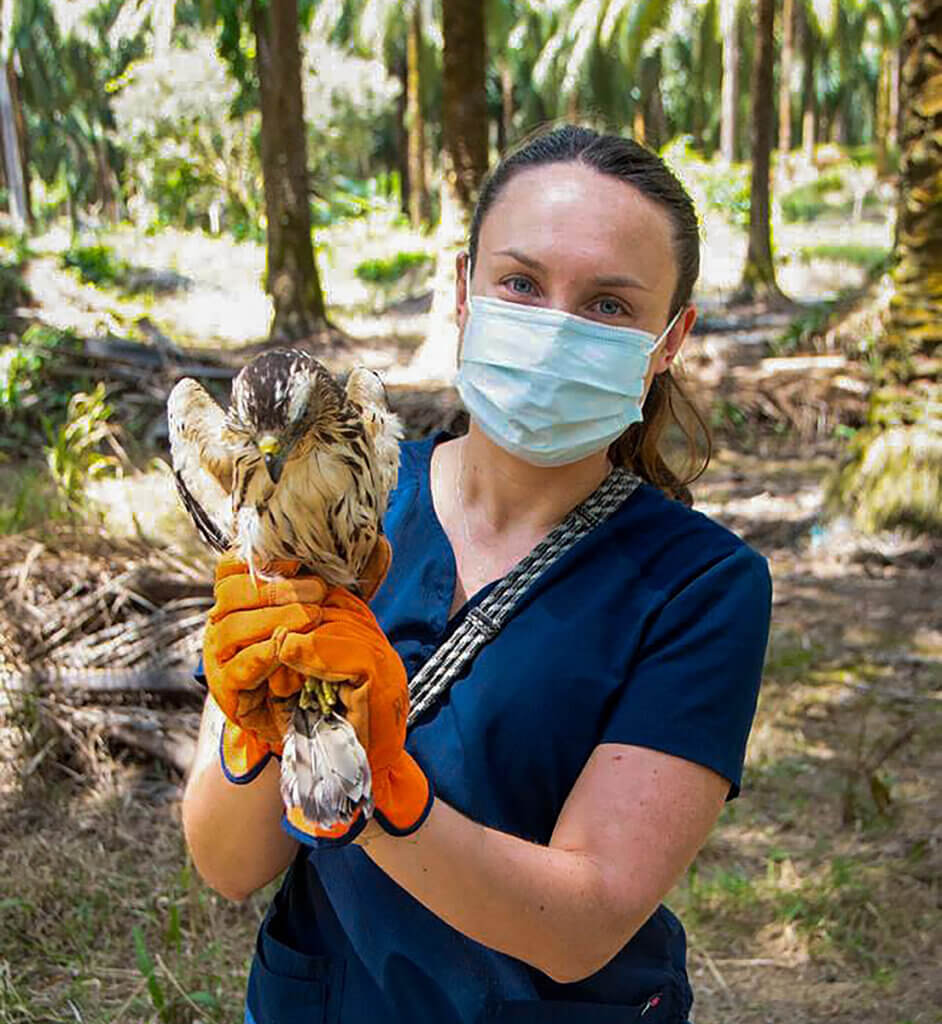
609,307
526,285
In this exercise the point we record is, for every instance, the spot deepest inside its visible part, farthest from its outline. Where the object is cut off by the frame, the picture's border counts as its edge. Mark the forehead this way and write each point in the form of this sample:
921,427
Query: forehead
573,214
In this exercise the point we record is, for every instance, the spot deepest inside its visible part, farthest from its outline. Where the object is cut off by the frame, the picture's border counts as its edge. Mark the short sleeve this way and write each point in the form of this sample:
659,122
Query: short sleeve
693,687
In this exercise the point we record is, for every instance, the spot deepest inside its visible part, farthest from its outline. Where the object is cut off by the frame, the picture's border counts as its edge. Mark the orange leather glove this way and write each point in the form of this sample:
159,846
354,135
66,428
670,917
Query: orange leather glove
240,652
350,648
240,658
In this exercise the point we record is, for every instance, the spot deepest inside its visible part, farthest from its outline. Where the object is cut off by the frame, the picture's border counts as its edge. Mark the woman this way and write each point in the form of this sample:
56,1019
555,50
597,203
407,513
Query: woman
529,826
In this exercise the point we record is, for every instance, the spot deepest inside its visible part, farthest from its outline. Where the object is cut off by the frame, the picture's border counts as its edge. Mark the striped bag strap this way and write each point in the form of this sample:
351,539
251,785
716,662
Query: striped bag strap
485,621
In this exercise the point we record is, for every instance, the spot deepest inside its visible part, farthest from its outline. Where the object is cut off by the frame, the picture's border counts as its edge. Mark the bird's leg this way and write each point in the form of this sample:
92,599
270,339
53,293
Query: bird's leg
320,694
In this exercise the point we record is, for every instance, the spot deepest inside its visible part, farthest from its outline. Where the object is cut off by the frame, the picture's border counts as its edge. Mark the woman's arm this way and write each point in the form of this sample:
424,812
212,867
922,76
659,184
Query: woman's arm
233,831
630,827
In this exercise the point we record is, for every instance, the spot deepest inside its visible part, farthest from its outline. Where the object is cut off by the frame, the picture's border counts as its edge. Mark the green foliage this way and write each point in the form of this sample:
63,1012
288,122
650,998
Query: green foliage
810,323
873,258
27,498
13,289
808,202
388,271
73,452
728,192
96,264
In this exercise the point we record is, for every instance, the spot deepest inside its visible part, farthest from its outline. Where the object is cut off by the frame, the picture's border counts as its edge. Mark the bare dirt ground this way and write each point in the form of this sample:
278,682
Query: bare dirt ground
816,899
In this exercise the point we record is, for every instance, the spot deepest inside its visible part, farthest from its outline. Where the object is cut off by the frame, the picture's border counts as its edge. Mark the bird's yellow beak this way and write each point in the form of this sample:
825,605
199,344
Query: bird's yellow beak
268,444
270,447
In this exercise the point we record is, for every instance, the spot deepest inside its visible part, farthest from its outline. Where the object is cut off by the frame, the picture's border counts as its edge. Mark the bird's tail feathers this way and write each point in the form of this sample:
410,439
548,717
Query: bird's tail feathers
324,769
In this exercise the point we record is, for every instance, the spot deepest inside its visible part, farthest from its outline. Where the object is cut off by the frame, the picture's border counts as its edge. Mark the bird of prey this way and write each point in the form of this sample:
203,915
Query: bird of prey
297,468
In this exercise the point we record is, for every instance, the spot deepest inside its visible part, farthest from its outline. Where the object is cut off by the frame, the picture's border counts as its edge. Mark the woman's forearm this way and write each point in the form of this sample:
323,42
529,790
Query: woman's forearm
233,831
549,907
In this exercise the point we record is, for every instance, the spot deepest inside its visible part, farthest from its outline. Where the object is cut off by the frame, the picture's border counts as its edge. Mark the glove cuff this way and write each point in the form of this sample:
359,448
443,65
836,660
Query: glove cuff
403,796
242,755
298,827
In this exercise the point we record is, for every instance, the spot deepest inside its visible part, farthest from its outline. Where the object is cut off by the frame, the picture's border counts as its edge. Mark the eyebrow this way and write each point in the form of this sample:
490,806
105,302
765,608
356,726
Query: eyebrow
606,281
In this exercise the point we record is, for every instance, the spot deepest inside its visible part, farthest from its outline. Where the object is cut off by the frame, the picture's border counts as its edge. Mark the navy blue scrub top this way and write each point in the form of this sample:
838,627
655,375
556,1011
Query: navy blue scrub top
651,631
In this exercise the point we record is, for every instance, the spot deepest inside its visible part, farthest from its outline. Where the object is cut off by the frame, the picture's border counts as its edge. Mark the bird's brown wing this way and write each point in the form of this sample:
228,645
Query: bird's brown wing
202,460
365,390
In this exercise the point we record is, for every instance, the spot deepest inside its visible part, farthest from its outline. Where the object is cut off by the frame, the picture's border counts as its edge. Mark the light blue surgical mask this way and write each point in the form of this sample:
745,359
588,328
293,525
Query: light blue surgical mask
548,386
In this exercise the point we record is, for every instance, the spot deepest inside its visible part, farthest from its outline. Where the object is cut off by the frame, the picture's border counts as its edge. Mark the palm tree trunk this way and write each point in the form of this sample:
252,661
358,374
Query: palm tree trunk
292,279
402,134
415,123
759,273
13,161
894,475
464,99
881,115
730,88
655,120
785,85
808,94
506,104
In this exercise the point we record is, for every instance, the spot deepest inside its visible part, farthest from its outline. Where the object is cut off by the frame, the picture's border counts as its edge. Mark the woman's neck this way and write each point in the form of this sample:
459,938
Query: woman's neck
500,493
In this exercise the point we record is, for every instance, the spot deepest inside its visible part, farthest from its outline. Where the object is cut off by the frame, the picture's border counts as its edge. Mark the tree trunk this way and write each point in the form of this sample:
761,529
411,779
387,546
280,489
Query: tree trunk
506,104
916,312
402,135
894,111
23,142
415,123
894,477
655,120
759,273
730,88
881,115
808,94
785,85
464,100
12,158
292,279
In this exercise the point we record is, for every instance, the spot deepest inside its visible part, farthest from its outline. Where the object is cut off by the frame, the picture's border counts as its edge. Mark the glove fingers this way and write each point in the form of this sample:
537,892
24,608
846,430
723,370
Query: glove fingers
239,630
240,593
340,650
284,682
251,666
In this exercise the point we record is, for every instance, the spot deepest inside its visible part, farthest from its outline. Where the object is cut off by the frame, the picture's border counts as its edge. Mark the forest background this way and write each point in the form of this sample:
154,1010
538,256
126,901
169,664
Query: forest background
185,183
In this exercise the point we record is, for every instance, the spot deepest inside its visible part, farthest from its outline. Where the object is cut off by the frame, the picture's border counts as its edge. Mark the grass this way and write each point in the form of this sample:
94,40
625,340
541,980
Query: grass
28,498
103,919
873,258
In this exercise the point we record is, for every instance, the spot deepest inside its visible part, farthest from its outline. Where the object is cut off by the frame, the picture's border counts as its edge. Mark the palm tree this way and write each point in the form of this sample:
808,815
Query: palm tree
758,278
785,81
464,100
9,121
730,96
595,47
894,476
291,276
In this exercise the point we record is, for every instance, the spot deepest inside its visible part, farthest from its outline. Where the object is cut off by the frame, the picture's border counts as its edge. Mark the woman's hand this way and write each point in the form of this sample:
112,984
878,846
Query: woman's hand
350,648
240,657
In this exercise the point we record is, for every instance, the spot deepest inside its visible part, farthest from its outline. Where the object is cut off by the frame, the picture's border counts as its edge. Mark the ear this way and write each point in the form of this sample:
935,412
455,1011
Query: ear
374,572
672,344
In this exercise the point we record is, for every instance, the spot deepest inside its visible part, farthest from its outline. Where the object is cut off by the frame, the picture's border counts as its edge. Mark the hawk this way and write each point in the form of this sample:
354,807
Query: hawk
298,468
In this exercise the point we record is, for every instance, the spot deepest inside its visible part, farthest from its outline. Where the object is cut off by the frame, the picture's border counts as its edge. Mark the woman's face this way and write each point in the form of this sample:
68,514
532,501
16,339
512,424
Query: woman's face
568,237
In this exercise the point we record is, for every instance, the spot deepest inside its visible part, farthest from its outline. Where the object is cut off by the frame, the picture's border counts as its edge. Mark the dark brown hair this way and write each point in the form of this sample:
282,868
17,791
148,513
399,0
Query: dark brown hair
640,448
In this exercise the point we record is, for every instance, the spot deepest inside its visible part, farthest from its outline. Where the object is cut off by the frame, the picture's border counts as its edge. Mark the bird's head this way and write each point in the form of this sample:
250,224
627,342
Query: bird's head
281,401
